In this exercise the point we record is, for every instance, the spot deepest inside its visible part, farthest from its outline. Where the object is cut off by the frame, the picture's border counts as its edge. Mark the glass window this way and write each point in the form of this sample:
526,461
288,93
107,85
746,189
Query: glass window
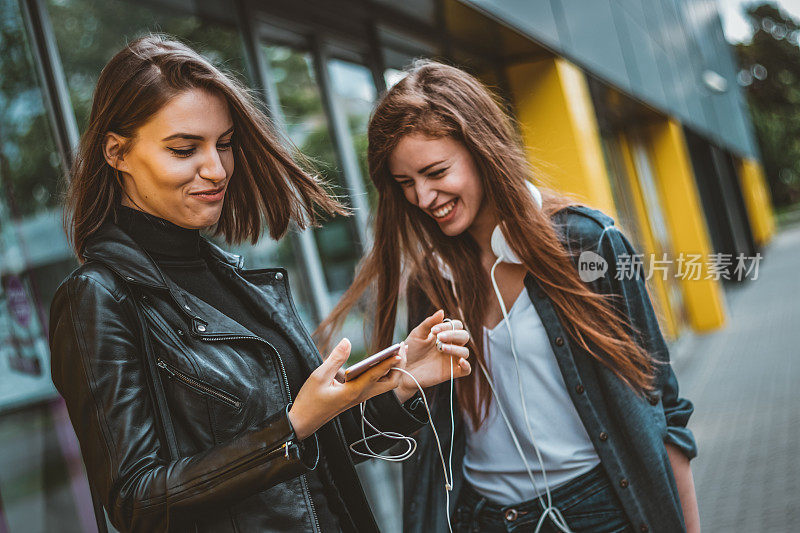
89,33
39,483
293,75
354,93
29,176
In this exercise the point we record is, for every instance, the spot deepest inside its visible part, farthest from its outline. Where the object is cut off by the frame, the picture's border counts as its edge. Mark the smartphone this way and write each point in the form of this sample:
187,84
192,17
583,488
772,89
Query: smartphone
365,364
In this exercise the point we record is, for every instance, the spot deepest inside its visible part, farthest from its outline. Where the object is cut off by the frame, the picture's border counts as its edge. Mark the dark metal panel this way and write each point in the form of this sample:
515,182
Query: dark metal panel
595,40
535,19
657,50
641,59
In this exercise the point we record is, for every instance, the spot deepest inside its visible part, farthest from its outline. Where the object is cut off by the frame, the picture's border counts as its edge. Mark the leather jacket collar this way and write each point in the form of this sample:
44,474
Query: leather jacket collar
112,246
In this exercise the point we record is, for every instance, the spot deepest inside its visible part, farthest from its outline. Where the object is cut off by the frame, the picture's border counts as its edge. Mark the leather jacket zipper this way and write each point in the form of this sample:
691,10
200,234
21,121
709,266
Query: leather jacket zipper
283,448
196,384
288,394
286,390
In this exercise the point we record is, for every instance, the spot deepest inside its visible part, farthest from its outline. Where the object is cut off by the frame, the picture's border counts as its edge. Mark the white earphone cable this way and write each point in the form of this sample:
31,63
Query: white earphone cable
548,509
447,467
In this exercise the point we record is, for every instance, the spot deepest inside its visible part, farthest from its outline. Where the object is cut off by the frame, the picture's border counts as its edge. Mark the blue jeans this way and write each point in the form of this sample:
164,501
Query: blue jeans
588,504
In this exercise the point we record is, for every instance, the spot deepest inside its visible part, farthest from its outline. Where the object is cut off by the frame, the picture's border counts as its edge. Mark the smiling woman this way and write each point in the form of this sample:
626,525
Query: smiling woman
199,400
183,176
576,374
439,176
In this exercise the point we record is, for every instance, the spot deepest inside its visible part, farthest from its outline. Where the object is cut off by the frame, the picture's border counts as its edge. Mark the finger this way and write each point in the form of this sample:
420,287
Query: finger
403,353
447,326
464,368
424,328
459,336
396,376
456,351
379,370
336,359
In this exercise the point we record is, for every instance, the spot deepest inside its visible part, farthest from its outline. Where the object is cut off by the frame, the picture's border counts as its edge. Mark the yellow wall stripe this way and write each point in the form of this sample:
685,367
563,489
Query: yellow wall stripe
704,298
559,128
758,200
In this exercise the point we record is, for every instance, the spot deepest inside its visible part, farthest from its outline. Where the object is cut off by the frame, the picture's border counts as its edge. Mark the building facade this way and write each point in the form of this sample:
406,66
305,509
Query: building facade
631,106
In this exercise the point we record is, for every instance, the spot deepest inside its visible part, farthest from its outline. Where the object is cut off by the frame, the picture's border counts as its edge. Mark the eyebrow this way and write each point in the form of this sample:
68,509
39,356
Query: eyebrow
192,137
423,170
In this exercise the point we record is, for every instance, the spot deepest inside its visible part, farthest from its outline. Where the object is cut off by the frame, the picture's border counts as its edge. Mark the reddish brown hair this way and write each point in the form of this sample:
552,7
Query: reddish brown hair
267,184
442,101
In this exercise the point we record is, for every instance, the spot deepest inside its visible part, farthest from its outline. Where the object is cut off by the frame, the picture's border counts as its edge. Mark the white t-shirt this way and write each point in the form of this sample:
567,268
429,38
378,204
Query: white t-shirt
492,464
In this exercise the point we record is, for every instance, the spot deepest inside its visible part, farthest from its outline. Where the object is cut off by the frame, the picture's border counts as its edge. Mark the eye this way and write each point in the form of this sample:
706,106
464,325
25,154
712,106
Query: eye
438,173
226,145
181,152
406,183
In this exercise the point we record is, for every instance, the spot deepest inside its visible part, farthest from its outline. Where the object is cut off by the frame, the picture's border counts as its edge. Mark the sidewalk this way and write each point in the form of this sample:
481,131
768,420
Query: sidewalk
745,383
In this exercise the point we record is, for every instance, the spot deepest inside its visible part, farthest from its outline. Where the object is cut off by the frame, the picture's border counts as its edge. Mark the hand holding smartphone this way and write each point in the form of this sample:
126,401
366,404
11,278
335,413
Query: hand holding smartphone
365,364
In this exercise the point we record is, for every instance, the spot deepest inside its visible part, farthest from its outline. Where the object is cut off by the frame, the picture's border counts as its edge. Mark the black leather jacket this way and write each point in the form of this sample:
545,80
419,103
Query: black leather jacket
226,459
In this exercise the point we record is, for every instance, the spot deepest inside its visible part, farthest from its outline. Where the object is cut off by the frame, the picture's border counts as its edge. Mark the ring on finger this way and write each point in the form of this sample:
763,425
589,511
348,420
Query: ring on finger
439,345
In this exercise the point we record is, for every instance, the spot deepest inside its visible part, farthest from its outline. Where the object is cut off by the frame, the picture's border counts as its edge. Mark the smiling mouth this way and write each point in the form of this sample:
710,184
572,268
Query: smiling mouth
209,193
446,209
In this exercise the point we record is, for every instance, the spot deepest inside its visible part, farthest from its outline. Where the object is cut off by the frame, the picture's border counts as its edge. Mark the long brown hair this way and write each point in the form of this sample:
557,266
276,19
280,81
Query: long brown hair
267,184
442,101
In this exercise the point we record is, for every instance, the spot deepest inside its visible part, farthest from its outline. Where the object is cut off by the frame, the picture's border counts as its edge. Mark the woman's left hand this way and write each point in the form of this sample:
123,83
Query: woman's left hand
426,362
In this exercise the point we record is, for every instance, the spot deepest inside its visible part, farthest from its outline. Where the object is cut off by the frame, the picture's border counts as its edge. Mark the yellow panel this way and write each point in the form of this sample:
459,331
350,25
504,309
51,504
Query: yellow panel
704,298
757,198
559,128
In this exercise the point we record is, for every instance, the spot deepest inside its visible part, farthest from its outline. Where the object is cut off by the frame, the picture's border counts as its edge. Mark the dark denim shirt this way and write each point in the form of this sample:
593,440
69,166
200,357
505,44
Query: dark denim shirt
628,431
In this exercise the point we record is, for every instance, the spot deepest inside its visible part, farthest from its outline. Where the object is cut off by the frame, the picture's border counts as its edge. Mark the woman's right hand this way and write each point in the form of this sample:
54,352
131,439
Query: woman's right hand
323,397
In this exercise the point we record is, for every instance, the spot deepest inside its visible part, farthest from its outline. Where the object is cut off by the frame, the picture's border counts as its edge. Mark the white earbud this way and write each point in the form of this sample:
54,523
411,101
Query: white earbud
500,247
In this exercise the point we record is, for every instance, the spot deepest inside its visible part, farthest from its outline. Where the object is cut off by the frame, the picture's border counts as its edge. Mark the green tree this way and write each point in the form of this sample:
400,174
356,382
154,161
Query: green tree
770,74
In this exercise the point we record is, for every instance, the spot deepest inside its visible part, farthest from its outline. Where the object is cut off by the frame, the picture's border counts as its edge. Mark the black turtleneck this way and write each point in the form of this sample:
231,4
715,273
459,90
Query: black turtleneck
177,252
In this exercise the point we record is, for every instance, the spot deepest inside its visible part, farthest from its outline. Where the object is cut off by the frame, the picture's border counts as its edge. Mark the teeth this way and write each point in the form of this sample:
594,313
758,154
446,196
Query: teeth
445,209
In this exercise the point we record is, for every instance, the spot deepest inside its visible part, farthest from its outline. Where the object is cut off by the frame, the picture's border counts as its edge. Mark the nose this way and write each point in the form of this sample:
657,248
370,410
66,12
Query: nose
426,195
212,168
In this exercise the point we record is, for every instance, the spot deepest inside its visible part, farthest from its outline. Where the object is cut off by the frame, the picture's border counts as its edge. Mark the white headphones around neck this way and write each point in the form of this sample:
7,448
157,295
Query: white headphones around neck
500,246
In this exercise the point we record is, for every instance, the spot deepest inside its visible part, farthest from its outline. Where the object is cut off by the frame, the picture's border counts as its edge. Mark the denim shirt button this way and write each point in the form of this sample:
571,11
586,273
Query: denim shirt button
653,400
643,528
579,389
559,341
623,483
603,436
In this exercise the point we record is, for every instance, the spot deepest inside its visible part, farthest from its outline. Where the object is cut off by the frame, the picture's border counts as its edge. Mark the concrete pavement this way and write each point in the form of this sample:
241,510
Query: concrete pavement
745,383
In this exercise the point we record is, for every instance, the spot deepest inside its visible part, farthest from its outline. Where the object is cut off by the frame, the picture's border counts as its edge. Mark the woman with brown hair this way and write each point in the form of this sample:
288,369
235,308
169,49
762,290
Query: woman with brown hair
572,419
199,400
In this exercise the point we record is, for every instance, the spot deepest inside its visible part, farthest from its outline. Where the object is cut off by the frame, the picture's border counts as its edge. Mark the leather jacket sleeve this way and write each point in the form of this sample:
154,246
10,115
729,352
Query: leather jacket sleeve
99,369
